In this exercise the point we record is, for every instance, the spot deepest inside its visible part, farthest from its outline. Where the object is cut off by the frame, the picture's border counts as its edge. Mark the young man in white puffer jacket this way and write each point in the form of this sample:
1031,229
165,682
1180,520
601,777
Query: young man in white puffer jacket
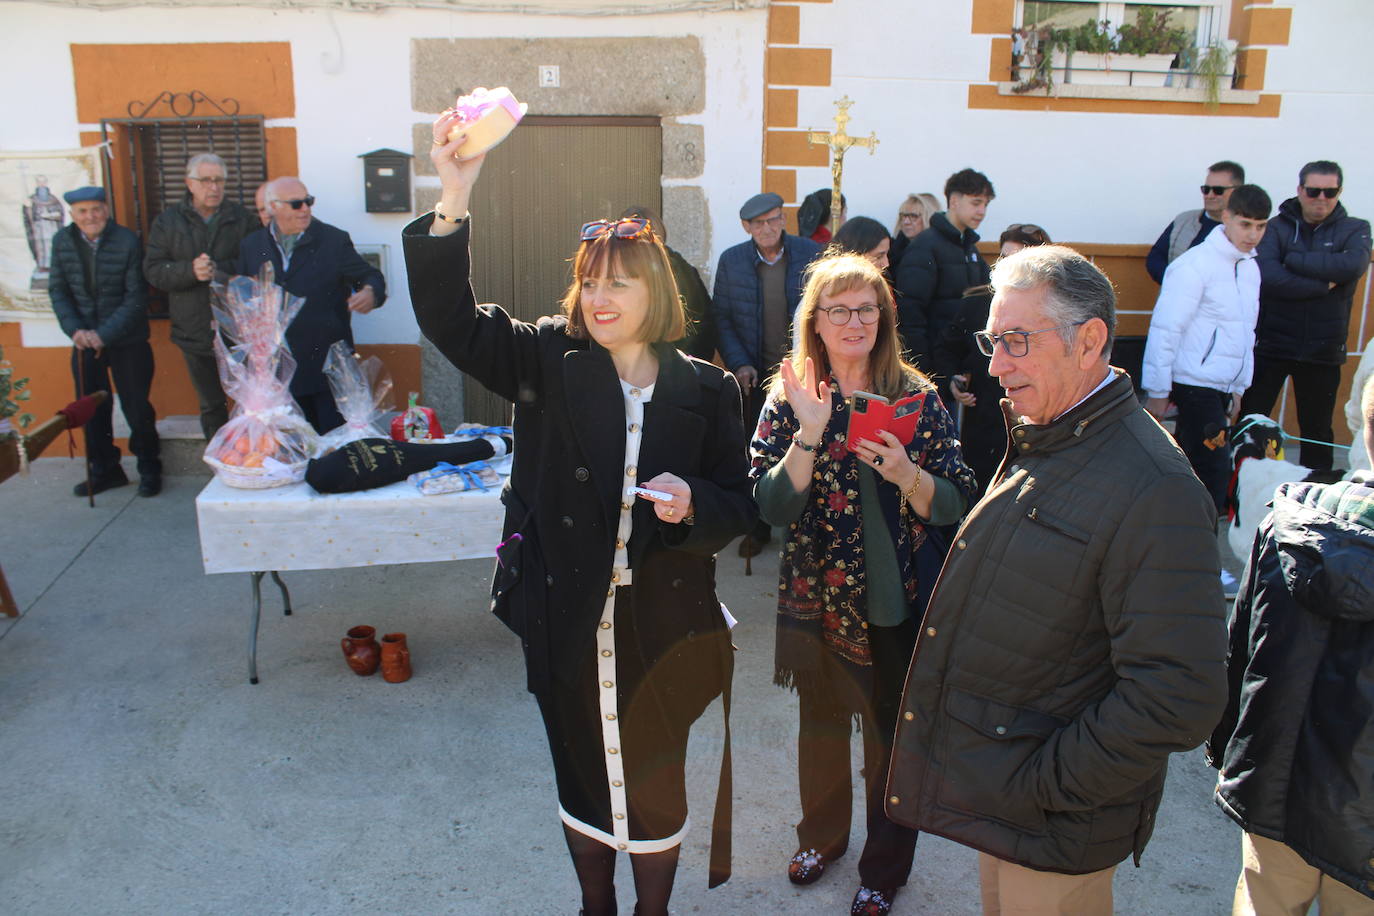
1200,349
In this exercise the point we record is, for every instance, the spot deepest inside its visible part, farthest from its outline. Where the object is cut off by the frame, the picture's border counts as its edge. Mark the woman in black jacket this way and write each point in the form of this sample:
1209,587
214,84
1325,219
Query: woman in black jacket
611,591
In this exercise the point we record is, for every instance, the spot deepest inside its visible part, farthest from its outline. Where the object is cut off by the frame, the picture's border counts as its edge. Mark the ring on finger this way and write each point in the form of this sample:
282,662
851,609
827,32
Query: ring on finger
670,511
877,460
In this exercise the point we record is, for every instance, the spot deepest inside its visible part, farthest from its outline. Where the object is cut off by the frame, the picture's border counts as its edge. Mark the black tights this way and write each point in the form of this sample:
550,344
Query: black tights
594,862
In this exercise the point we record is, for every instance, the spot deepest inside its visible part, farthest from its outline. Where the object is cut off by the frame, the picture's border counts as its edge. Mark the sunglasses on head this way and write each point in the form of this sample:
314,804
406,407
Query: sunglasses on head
1028,231
1216,189
1314,193
306,201
630,227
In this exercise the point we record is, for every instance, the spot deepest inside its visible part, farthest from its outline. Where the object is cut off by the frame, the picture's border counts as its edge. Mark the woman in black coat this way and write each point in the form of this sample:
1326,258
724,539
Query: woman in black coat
612,593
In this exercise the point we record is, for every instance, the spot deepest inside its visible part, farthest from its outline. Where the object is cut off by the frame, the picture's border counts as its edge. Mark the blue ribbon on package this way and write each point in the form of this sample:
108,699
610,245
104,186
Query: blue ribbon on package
468,473
479,432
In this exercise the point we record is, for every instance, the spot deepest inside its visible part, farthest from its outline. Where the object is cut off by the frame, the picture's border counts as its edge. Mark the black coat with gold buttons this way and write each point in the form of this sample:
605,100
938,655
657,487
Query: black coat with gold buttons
564,495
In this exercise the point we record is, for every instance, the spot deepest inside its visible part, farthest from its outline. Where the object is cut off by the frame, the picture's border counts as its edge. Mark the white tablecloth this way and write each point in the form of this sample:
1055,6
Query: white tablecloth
294,527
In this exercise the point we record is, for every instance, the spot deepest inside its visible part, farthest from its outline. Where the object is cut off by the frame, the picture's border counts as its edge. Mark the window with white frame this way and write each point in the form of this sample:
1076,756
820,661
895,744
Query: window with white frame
1201,19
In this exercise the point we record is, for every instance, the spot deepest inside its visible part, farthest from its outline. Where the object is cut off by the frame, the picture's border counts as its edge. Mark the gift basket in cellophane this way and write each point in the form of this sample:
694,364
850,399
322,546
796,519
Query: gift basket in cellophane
362,392
267,441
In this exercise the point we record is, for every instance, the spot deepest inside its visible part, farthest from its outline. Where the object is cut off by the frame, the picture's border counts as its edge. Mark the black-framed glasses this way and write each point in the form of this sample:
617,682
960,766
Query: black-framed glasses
1028,232
1314,193
212,180
839,314
306,201
1015,344
630,227
1216,189
906,216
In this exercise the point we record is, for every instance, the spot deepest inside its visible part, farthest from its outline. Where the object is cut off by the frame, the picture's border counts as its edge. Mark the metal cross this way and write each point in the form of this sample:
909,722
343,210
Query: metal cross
838,141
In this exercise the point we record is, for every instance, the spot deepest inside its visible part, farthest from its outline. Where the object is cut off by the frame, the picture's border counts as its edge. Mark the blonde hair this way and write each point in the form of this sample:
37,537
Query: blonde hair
927,203
889,374
643,258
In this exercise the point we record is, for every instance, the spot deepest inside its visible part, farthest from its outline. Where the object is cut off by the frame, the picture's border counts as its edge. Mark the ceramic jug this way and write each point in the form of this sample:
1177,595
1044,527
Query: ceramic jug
361,651
395,658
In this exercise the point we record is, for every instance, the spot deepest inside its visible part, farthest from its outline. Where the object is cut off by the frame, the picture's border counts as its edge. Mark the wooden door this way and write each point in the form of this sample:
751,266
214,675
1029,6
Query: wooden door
537,189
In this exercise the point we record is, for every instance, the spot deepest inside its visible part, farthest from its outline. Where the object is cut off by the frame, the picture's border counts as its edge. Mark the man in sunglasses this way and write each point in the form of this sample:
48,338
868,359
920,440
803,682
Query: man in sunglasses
1076,636
317,261
1190,227
188,244
1311,259
758,285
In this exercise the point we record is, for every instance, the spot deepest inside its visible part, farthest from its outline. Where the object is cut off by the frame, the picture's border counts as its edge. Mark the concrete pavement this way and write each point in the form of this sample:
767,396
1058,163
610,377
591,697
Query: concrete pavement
142,773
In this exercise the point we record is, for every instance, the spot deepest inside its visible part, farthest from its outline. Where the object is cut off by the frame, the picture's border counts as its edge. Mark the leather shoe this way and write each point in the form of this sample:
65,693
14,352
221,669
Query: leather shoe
115,477
806,866
150,485
871,902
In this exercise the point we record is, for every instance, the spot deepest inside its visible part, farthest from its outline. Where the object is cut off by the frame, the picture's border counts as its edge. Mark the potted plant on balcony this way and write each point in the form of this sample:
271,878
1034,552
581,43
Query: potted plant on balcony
1082,53
1156,45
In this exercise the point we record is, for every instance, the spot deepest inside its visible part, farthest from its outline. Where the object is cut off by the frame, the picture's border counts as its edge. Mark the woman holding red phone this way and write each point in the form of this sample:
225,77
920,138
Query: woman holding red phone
858,561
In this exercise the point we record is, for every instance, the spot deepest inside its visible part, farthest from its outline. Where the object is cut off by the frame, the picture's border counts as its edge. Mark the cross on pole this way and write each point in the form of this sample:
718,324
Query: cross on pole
838,141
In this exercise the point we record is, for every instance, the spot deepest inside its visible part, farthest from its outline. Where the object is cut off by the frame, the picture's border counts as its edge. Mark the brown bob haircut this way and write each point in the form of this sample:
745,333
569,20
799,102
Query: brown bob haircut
643,258
890,375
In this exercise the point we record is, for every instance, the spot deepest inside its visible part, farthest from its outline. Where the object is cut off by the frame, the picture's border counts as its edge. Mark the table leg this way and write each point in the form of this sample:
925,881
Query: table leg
7,604
253,627
285,595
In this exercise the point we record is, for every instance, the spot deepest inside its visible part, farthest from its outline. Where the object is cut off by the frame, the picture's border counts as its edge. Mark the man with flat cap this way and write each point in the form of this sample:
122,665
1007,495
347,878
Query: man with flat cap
758,286
98,292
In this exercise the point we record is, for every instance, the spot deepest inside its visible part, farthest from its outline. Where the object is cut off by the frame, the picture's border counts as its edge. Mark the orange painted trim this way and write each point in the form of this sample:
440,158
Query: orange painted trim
987,97
780,107
784,25
782,182
993,17
1000,50
1251,63
797,66
803,1
789,147
109,77
281,152
402,361
1239,25
1269,26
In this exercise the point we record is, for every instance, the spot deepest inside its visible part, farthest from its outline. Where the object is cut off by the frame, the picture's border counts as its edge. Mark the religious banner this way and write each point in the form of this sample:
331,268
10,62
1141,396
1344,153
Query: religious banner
31,212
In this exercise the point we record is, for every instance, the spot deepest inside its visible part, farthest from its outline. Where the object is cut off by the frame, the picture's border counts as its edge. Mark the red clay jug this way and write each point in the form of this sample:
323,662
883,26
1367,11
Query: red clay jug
395,658
361,651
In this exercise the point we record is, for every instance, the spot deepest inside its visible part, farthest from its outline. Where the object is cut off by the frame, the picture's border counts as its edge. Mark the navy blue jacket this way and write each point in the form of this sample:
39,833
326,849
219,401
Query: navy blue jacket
325,269
1302,316
117,307
739,304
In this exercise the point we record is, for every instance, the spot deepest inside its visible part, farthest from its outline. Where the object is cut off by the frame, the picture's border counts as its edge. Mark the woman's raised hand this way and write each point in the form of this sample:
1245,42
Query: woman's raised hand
810,400
456,175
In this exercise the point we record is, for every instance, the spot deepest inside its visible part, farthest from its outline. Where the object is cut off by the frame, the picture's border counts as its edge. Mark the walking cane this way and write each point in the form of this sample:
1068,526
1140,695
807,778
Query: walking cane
81,393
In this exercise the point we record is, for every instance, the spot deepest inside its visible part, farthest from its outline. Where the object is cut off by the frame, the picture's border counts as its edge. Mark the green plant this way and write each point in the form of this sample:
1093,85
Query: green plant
12,391
1151,33
1213,66
1089,37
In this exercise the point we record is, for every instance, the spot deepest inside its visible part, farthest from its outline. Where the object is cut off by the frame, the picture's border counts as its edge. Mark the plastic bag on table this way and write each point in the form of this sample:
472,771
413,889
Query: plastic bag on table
450,478
362,391
267,441
416,423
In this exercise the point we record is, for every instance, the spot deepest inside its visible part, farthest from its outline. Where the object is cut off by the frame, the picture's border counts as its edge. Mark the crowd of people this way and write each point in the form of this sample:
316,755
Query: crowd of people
1017,600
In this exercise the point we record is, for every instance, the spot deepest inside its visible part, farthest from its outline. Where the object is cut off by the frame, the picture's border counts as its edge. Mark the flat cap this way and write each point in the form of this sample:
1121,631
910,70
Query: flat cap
759,204
81,195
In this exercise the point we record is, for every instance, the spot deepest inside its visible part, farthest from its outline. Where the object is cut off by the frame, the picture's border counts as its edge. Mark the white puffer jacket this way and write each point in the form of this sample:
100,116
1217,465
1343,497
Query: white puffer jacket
1203,329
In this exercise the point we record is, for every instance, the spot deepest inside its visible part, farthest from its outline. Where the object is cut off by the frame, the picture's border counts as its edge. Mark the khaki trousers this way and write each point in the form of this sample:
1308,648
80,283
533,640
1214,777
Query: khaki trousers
1276,881
1014,890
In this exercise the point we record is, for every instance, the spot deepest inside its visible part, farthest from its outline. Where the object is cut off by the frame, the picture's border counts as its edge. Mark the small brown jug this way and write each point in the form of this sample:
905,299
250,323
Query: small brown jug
395,658
361,651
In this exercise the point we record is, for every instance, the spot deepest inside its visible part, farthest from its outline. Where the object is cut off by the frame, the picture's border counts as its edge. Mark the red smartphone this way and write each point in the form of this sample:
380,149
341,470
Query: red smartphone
873,412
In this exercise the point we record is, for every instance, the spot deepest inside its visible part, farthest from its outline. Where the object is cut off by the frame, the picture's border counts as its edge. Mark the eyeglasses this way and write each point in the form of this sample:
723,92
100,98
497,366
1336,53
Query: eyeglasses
839,314
908,216
211,180
1216,189
1314,193
307,201
1015,344
631,227
771,221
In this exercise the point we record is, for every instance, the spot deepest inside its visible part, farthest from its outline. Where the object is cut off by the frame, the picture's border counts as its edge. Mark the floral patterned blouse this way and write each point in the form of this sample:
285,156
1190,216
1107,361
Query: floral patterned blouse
822,600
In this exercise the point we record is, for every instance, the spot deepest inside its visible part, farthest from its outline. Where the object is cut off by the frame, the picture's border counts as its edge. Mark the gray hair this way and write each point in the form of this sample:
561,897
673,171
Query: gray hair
200,159
1077,289
275,184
